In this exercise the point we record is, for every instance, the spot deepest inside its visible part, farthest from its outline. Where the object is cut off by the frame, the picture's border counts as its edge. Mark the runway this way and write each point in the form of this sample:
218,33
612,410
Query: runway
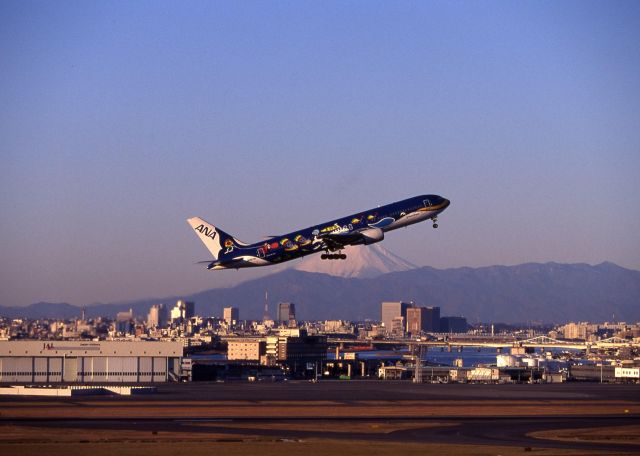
366,390
395,413
502,431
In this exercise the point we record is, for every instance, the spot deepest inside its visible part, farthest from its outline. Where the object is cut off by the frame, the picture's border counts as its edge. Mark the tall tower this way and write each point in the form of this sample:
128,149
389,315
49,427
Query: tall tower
266,307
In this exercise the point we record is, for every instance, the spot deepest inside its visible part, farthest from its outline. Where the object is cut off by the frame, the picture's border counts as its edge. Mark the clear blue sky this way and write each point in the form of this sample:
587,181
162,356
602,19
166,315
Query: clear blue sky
118,120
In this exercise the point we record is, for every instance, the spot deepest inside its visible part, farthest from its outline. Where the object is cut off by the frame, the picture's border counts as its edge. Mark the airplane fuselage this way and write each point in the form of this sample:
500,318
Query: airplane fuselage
366,227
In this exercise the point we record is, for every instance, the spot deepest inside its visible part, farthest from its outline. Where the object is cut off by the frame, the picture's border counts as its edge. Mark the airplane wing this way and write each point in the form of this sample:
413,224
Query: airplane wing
337,241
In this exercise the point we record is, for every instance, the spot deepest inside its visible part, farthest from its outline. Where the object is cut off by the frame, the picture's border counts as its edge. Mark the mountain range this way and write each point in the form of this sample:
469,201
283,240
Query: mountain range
549,292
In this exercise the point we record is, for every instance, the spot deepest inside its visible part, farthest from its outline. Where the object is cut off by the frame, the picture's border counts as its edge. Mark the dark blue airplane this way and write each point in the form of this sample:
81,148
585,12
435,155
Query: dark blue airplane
365,228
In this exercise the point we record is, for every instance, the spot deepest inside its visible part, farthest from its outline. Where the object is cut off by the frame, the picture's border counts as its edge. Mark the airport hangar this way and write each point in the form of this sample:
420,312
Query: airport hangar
89,361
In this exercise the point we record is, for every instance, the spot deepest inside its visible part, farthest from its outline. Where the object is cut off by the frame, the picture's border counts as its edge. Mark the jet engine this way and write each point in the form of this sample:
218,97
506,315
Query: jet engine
372,235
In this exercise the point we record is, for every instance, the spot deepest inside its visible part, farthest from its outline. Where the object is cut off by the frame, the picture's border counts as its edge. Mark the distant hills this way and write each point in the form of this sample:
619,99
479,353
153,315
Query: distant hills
549,292
41,310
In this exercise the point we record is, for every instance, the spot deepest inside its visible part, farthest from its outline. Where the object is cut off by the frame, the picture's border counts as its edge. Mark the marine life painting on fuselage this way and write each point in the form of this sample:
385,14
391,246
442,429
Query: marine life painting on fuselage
367,227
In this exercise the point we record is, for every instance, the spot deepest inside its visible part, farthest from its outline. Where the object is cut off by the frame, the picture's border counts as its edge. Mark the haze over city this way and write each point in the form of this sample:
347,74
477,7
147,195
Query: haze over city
120,120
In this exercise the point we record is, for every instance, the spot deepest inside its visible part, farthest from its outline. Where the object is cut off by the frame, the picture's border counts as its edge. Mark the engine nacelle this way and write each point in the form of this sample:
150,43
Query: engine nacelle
372,235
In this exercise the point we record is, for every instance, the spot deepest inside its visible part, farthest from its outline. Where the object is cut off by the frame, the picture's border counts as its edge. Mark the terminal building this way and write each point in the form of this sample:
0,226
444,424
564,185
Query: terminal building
89,361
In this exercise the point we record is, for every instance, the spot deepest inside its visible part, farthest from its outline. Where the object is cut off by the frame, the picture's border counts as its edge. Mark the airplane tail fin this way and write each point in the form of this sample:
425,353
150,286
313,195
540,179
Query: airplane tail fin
217,241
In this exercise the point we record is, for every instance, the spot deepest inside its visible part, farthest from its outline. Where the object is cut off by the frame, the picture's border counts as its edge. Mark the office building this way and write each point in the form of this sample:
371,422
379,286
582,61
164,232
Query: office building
580,331
231,315
397,327
286,312
157,317
391,310
182,311
433,319
417,320
124,322
297,352
245,349
276,349
305,349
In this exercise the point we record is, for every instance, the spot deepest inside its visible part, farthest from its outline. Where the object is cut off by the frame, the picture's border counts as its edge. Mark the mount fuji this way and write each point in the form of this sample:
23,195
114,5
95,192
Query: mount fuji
363,262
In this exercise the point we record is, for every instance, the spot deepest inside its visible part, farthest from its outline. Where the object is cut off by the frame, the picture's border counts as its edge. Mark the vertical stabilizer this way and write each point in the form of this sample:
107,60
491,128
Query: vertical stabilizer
217,241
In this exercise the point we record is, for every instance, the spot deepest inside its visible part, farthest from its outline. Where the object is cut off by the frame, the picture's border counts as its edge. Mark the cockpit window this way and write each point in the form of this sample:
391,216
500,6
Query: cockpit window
432,200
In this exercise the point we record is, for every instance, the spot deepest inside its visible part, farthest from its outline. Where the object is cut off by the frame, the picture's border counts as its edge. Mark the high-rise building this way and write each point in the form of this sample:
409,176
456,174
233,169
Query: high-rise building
433,319
176,314
157,317
391,310
286,312
397,327
124,322
189,309
231,315
182,311
417,320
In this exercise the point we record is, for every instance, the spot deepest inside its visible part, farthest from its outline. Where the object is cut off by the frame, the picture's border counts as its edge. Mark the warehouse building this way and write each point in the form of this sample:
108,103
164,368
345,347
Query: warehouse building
89,361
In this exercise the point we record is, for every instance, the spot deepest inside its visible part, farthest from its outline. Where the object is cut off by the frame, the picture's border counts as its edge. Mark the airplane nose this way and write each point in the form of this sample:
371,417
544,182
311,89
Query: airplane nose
445,203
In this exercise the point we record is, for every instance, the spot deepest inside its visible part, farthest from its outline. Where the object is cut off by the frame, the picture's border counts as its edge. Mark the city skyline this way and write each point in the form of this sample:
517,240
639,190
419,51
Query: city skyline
119,121
550,293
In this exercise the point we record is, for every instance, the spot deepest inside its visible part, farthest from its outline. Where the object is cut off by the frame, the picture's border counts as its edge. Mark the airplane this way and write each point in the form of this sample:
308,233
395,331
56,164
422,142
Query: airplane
367,227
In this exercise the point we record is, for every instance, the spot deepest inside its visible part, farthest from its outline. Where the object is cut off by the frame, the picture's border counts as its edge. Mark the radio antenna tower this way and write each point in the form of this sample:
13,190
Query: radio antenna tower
266,306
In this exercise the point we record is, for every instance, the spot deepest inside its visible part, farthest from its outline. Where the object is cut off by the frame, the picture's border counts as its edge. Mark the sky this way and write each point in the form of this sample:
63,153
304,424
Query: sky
119,120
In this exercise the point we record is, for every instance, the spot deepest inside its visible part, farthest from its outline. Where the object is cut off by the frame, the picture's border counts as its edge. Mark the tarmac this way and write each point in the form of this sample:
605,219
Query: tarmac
473,414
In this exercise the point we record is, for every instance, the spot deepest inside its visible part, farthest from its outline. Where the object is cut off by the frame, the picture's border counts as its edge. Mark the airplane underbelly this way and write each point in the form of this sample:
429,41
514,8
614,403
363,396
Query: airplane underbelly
255,261
410,219
242,262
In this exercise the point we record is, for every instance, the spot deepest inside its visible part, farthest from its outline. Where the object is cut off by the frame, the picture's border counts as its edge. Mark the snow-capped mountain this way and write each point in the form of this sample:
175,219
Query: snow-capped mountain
362,262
